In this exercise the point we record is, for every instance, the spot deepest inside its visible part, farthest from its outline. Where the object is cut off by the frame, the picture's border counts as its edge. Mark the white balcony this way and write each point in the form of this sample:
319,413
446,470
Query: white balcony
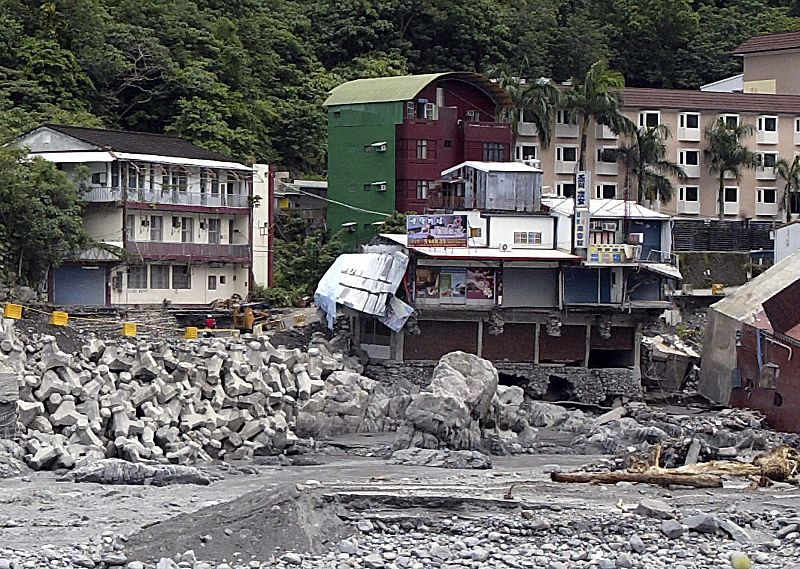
768,209
566,130
526,129
797,138
691,208
767,173
689,134
604,132
175,197
731,208
606,168
767,137
692,170
566,166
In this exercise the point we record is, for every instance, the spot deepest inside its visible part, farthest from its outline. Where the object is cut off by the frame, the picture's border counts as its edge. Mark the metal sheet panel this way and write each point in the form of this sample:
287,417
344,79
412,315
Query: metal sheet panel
530,287
82,286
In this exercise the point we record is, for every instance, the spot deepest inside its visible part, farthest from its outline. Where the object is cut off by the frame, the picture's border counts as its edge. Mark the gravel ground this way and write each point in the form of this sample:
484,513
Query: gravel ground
350,512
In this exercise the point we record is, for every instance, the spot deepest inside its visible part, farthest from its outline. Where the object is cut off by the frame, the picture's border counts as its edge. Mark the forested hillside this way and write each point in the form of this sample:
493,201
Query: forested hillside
247,77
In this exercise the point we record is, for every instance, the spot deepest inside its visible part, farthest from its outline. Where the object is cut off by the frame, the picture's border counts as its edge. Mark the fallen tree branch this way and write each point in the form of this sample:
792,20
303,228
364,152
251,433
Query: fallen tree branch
657,478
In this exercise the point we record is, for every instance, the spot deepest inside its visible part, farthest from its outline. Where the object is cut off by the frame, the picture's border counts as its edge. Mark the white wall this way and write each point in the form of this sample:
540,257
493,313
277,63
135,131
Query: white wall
261,225
170,234
46,140
235,276
787,241
104,225
502,229
563,232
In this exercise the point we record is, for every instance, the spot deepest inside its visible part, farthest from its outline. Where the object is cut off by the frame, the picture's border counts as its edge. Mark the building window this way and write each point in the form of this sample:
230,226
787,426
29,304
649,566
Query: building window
179,181
214,226
181,277
135,177
564,118
187,230
731,121
767,124
731,194
231,230
768,160
797,125
565,189
97,178
422,150
422,189
605,155
649,119
115,174
130,227
567,153
212,282
526,152
203,181
689,157
411,109
767,195
493,152
159,276
689,120
606,191
448,144
156,228
527,238
689,194
137,276
222,279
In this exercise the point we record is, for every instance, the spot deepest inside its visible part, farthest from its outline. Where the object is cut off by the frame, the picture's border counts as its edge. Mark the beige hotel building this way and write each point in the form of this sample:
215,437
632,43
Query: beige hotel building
766,95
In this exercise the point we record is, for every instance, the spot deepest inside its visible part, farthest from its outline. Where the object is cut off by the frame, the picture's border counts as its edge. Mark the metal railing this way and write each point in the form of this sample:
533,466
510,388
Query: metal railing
204,251
169,196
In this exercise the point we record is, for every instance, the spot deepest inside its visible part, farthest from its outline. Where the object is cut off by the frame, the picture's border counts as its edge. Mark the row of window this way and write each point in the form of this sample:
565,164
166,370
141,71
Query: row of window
147,177
155,228
688,124
159,277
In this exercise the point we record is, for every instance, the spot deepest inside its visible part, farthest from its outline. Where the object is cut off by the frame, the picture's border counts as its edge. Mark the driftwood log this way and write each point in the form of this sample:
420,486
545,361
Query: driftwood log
657,478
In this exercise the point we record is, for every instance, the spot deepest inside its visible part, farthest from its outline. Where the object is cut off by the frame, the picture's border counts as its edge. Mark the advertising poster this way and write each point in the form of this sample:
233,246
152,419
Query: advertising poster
453,285
480,284
427,282
437,230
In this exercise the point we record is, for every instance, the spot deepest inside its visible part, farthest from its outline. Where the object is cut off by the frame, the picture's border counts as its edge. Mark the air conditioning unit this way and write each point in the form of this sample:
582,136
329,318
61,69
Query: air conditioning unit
350,226
379,146
176,222
504,247
609,226
145,222
202,224
380,187
472,115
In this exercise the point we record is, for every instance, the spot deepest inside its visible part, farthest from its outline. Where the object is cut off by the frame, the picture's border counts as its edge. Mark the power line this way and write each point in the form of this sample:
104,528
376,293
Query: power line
348,206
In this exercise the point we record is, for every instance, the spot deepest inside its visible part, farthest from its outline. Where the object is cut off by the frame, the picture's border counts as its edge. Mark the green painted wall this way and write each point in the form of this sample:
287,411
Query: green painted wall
350,168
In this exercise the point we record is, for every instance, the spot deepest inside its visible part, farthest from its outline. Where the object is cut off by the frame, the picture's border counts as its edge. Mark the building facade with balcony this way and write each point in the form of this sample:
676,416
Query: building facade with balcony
766,96
519,293
389,138
169,221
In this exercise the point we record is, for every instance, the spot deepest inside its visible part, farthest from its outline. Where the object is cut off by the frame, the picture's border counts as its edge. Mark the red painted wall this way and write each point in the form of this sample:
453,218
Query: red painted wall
783,417
569,347
452,139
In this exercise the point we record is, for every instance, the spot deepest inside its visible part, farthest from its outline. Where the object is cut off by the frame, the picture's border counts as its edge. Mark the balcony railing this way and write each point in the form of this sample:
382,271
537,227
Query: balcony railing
175,197
190,251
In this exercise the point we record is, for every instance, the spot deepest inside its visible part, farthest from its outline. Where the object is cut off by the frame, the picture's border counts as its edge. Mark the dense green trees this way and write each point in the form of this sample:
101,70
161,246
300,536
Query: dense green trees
40,217
725,155
247,77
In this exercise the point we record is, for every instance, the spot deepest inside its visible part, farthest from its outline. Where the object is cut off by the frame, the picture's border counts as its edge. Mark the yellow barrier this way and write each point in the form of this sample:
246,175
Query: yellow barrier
59,318
190,333
129,329
13,311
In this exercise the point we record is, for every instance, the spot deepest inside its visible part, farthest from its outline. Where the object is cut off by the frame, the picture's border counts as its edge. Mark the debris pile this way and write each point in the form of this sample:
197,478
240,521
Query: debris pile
179,401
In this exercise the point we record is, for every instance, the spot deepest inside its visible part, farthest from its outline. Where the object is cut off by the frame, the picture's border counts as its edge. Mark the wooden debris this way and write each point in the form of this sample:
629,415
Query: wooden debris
659,478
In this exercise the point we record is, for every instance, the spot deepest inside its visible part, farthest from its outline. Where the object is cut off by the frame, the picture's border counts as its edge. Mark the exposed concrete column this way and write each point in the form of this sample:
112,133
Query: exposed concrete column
480,338
637,353
537,327
588,344
398,341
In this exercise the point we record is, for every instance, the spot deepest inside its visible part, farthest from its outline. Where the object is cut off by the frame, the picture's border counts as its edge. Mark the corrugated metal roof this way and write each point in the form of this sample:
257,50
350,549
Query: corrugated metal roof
640,98
405,88
604,208
493,167
769,42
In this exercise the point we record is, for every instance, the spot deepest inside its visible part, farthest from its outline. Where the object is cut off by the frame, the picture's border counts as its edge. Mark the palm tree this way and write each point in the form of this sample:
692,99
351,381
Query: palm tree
535,101
724,154
597,96
644,158
789,173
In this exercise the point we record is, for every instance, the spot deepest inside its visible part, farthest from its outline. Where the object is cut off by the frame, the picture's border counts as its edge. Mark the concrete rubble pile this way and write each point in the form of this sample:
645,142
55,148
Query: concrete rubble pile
464,408
181,401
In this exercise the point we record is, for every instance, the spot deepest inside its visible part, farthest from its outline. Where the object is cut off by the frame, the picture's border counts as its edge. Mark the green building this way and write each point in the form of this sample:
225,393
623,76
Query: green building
389,138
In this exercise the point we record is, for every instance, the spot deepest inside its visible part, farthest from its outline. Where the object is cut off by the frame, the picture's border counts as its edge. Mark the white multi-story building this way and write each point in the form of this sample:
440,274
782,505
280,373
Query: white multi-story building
169,221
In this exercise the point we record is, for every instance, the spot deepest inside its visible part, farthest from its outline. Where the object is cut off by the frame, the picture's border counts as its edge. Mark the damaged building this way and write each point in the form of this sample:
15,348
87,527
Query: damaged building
750,338
492,271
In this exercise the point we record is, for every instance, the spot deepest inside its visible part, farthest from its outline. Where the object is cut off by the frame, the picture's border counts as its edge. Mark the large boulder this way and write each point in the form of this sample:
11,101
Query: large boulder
458,398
